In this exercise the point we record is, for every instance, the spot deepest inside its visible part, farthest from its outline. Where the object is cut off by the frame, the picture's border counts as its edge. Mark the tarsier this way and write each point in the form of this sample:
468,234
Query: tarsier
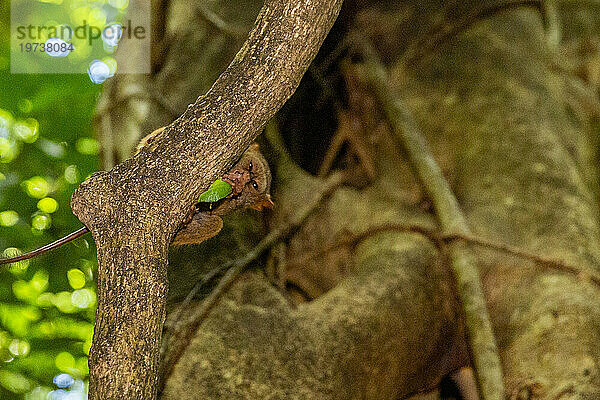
250,179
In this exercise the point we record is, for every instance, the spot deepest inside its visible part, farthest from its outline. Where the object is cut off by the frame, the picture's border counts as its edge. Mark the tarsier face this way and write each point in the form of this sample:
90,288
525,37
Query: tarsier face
258,188
251,178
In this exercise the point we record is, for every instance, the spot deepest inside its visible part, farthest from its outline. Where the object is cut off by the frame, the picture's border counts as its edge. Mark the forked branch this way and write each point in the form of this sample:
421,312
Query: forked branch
134,210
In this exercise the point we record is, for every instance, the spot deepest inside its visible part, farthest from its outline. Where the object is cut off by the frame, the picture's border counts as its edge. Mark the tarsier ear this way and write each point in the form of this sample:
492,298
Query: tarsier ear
254,146
265,202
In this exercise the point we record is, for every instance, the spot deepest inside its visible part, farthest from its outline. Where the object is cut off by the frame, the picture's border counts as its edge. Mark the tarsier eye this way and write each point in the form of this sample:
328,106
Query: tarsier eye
250,166
255,185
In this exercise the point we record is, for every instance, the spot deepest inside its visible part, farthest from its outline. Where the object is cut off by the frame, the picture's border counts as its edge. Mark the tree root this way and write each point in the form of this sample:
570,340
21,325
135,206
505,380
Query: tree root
183,331
407,134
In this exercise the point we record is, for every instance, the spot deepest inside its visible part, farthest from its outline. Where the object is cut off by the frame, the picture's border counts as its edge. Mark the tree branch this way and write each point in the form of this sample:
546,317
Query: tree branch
134,210
482,343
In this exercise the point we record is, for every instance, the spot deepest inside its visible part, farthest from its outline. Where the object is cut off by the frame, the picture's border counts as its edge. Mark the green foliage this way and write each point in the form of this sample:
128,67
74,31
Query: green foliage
47,305
217,191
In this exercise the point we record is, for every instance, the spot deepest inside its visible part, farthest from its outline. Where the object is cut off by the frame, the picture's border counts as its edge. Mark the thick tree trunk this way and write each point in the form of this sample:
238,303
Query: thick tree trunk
526,175
489,95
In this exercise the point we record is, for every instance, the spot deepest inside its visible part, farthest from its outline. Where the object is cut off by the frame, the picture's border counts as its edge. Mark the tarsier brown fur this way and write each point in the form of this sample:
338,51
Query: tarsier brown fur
250,179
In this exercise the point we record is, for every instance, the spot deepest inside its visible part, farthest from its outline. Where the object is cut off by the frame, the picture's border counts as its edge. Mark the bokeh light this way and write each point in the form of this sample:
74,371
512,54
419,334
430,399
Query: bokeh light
6,121
76,278
18,267
36,187
98,71
83,298
63,380
62,301
9,218
19,347
112,33
120,4
65,361
88,146
41,221
97,17
71,174
53,149
58,47
27,131
111,63
9,150
47,205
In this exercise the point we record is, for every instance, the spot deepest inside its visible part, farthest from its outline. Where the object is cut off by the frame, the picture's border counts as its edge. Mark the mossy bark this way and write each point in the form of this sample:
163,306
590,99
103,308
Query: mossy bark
525,173
498,114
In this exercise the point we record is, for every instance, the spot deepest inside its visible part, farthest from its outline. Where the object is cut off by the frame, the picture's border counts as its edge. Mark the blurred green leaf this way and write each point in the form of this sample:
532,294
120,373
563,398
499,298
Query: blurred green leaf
14,381
62,327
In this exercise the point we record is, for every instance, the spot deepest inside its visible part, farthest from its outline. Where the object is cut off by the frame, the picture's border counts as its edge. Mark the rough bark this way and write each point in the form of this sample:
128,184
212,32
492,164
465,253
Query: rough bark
390,329
524,165
134,209
525,172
